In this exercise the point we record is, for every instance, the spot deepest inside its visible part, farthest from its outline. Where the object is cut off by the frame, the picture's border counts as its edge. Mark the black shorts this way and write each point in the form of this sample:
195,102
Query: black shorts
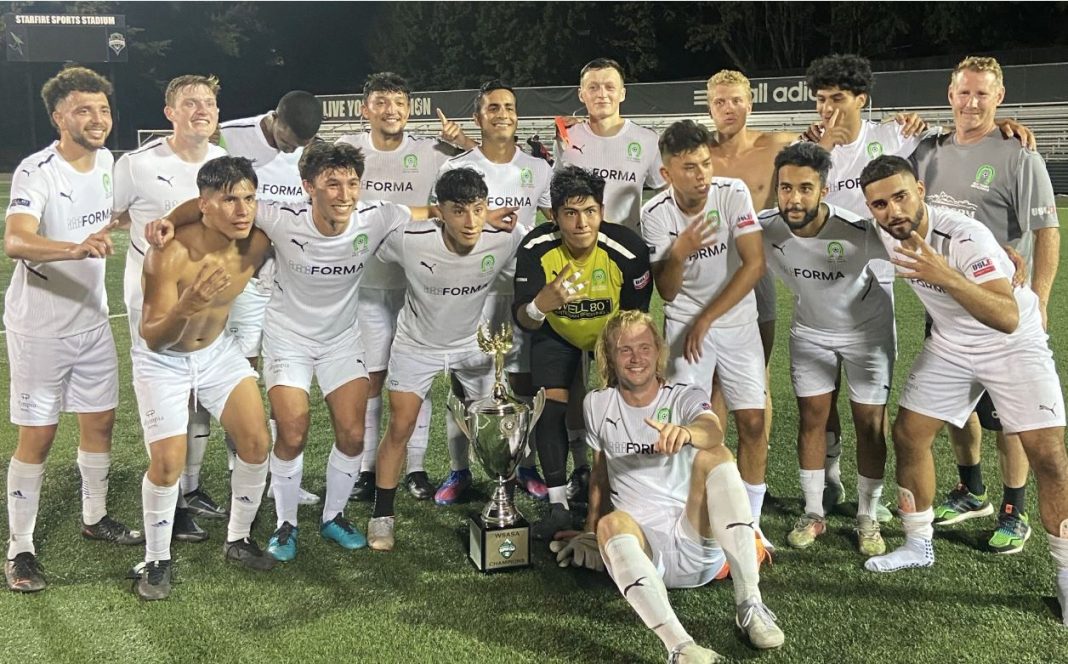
988,415
553,362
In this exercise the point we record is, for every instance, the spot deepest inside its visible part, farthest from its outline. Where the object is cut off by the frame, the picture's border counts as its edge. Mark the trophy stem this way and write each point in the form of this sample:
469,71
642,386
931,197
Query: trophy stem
500,510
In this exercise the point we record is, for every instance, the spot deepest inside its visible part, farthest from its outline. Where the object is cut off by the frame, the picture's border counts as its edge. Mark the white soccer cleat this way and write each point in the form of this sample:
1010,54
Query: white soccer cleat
307,498
759,624
691,653
1062,595
380,533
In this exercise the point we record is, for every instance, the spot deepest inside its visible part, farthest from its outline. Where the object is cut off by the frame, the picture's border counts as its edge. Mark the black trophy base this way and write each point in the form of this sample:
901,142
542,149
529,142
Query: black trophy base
497,548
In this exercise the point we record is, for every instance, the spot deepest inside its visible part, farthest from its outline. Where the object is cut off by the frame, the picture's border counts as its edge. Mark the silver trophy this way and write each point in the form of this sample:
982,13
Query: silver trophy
499,428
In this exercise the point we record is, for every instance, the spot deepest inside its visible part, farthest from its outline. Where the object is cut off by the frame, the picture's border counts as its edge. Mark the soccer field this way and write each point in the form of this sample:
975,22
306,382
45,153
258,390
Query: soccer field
425,603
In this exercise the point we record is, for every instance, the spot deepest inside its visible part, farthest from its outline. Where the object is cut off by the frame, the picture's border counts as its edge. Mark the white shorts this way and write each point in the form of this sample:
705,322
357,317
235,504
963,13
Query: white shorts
765,298
376,315
1021,379
868,359
498,311
246,318
734,353
163,381
75,374
293,363
413,371
683,558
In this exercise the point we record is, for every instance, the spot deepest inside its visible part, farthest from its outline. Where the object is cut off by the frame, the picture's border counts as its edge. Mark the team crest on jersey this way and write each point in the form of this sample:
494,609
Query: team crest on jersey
663,414
984,177
712,219
875,149
411,163
488,262
106,180
599,278
526,177
634,151
835,252
359,244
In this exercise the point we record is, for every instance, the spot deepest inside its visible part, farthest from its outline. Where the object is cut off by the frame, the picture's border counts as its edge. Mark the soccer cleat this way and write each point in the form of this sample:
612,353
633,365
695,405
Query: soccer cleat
364,489
380,533
532,483
417,483
578,485
1014,528
869,539
155,580
763,555
961,505
185,528
883,513
23,574
200,504
759,624
307,498
453,487
247,553
832,495
110,530
283,543
691,653
559,518
806,529
341,531
1062,595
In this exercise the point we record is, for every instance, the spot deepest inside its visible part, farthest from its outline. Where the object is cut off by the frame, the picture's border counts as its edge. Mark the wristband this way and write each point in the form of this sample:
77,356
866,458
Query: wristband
534,312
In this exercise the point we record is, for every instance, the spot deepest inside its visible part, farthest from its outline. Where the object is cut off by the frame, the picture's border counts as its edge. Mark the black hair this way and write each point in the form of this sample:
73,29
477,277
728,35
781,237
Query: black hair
488,87
461,185
573,182
224,173
385,81
884,167
320,157
846,72
68,80
602,63
810,155
683,136
301,112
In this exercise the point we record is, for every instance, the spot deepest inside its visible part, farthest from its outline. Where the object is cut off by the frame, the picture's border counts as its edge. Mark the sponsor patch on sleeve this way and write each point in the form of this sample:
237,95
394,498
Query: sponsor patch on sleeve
20,202
642,281
981,267
746,221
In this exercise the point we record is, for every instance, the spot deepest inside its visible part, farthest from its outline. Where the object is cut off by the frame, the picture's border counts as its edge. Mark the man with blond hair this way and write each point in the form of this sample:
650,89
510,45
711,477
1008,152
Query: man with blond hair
977,171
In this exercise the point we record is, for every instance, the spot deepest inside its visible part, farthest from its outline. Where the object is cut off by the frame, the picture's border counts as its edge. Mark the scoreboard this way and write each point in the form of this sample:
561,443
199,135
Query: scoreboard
81,38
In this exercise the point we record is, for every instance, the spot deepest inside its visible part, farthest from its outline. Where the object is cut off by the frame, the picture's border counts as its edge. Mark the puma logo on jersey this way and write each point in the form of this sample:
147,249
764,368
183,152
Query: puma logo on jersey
66,196
578,149
1049,408
301,244
169,180
611,421
428,266
967,239
780,247
636,584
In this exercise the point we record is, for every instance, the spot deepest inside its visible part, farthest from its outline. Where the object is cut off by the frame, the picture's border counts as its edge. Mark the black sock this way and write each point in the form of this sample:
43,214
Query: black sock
1015,497
972,477
383,502
551,436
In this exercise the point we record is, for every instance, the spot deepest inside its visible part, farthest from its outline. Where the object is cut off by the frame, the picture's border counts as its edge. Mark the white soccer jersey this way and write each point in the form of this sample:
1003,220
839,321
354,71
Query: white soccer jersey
316,276
847,161
277,172
834,292
149,183
729,211
970,248
405,176
644,483
60,298
446,291
628,161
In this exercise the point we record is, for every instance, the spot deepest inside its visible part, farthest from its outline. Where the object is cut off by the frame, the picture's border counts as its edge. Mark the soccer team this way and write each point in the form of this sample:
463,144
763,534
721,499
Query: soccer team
370,262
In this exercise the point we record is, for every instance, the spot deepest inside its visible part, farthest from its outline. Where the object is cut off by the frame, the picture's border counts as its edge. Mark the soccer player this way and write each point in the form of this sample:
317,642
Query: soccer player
571,275
515,180
274,142
149,182
450,265
59,343
400,168
681,516
986,334
707,256
841,318
976,171
188,286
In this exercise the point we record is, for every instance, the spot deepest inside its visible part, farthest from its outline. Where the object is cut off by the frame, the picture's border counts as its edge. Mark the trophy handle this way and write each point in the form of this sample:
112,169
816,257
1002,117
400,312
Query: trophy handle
536,407
459,413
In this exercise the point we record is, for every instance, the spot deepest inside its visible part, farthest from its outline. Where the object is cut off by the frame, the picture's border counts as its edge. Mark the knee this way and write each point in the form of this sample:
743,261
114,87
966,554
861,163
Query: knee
705,461
350,439
750,427
610,525
399,432
1048,460
292,430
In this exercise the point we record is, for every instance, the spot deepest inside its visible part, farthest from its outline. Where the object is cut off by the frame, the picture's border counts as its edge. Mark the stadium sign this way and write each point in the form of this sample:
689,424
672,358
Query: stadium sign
80,38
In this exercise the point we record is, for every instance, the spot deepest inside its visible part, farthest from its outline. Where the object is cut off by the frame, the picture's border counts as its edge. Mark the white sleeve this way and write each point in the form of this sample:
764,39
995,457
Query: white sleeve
655,234
29,192
268,215
544,199
391,250
653,178
741,217
592,436
692,403
124,186
976,260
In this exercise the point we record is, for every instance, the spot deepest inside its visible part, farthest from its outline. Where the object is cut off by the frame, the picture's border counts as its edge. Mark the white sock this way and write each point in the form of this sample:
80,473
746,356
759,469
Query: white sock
641,585
1062,594
94,467
869,493
729,514
23,497
341,473
918,549
231,447
417,444
558,494
756,499
285,485
196,443
1058,548
812,487
577,442
458,446
834,455
371,432
158,503
246,492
